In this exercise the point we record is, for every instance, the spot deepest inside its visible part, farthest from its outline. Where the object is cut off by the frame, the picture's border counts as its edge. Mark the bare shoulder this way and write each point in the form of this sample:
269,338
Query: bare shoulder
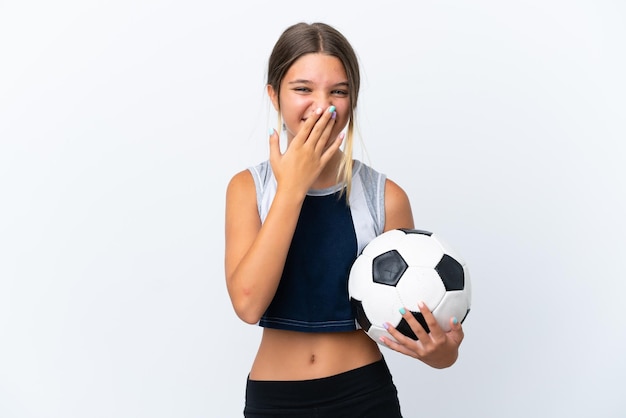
240,181
398,212
241,205
241,190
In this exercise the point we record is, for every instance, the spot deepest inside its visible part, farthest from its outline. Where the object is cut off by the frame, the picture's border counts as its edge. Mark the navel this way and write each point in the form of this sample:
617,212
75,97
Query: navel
312,359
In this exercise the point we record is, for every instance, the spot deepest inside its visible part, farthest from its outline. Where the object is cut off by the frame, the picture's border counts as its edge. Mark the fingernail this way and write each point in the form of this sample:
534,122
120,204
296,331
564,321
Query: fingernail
334,115
455,321
271,131
421,305
318,110
331,109
385,325
402,311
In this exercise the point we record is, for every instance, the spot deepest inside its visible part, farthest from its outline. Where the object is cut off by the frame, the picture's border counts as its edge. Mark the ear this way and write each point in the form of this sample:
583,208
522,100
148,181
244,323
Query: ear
273,97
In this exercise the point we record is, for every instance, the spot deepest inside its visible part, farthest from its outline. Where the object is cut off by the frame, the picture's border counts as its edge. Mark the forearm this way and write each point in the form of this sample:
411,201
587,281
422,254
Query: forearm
253,282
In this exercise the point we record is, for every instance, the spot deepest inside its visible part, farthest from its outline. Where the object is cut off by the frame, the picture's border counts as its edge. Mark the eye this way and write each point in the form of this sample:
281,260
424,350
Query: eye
342,93
302,89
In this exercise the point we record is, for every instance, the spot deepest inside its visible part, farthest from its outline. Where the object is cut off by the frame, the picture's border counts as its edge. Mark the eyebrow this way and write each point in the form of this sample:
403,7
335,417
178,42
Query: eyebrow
303,81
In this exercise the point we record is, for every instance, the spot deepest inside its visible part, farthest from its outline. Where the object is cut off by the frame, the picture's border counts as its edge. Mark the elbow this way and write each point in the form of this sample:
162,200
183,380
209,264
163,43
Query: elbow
248,317
245,309
247,301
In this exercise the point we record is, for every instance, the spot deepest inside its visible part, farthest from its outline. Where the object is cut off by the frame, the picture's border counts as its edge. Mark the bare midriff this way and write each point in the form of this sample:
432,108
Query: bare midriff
290,355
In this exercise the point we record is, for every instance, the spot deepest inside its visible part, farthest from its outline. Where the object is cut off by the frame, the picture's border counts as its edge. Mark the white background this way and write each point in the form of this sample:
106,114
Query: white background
121,123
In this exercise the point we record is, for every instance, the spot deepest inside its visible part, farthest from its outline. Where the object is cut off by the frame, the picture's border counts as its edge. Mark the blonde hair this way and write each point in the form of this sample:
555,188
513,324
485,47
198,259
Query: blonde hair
301,39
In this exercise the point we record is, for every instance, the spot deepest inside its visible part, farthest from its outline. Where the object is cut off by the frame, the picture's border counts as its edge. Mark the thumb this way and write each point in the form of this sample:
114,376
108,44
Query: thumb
274,145
455,324
456,328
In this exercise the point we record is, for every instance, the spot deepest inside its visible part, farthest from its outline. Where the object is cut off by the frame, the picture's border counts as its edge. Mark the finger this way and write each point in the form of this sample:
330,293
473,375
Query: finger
316,136
324,140
435,329
309,124
329,119
456,330
420,330
402,343
330,150
397,335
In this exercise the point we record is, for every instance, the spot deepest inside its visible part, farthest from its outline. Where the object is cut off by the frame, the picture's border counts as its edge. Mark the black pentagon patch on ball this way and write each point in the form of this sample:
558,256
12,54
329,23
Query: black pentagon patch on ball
416,231
359,313
388,268
405,329
451,273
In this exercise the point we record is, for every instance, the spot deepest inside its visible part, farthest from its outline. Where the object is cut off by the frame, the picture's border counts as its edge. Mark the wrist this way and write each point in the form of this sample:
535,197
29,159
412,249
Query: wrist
290,194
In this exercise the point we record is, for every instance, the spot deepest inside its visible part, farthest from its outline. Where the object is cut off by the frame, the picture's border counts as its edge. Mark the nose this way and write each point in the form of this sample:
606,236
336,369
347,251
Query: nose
322,100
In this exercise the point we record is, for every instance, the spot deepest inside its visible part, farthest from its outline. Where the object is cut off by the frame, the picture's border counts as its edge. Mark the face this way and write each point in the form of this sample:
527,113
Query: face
314,80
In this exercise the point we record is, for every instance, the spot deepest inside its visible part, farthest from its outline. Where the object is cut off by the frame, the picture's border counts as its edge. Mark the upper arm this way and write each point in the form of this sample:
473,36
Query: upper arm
242,219
398,213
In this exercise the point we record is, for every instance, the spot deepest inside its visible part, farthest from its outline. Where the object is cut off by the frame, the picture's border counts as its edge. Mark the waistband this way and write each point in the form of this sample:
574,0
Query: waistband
353,383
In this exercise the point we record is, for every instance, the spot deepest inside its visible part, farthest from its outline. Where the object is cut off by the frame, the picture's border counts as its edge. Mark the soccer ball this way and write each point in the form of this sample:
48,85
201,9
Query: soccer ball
400,268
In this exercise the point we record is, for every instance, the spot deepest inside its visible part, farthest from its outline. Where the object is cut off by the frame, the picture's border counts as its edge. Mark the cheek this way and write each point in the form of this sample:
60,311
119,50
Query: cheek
343,107
343,114
295,110
295,103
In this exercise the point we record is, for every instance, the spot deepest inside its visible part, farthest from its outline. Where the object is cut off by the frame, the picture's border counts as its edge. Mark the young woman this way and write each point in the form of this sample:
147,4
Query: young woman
294,226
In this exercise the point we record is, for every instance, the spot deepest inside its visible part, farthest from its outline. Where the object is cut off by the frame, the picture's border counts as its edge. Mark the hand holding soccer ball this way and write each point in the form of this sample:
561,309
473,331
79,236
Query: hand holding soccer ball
401,268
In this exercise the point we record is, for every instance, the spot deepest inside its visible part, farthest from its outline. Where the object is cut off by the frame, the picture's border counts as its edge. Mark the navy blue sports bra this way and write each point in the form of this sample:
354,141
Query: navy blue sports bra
312,295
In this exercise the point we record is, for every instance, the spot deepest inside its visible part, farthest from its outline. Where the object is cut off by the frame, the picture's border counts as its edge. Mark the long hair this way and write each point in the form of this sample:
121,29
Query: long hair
304,38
